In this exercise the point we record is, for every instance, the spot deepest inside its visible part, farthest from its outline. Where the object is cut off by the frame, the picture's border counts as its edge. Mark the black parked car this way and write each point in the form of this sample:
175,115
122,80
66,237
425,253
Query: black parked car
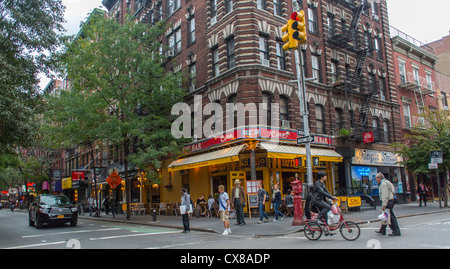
52,209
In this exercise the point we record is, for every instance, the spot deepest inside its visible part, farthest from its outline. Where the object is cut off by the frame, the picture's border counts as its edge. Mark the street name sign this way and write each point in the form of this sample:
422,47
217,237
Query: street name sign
436,156
305,139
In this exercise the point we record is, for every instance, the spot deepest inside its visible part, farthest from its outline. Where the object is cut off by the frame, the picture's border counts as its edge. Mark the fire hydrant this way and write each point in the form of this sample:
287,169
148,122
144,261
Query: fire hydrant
297,187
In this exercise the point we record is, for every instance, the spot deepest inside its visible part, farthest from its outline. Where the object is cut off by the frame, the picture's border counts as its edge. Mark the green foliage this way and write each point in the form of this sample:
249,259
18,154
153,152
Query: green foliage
433,135
29,29
119,92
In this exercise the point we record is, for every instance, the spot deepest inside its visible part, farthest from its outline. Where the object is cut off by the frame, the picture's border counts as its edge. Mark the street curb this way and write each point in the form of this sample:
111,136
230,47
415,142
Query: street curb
357,222
122,220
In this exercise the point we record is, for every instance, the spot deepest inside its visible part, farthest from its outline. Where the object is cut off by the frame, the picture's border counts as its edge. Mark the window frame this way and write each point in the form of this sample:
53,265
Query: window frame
231,52
320,108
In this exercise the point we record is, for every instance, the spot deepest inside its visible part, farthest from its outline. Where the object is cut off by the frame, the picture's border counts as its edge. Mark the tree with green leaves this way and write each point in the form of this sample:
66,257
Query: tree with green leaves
433,134
119,93
29,31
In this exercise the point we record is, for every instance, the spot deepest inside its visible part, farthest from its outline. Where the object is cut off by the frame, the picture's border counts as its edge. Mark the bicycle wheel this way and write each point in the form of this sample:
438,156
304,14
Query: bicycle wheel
350,230
312,230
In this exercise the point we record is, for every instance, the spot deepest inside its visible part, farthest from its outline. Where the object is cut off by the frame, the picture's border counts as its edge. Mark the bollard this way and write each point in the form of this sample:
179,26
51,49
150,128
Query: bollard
154,215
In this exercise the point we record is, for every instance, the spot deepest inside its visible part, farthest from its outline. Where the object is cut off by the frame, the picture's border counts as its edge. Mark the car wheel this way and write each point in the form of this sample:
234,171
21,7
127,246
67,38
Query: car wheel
73,222
38,222
30,222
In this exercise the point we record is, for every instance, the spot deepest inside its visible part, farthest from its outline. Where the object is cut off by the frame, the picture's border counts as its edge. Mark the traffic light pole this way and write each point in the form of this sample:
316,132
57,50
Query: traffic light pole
304,111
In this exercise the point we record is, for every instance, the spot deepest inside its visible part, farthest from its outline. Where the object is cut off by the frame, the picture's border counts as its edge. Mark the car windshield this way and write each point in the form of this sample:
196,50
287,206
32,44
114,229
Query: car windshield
55,200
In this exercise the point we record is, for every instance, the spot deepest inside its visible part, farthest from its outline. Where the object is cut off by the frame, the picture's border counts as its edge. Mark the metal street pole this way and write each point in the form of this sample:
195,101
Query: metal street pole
304,111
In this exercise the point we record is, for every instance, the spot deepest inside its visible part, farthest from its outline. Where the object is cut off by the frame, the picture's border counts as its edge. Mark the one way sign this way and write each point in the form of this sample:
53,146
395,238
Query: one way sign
305,139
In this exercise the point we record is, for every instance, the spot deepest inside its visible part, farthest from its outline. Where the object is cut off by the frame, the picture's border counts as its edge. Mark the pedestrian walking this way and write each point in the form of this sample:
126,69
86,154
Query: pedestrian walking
238,202
387,195
224,209
112,204
422,192
277,202
105,203
262,196
91,204
186,202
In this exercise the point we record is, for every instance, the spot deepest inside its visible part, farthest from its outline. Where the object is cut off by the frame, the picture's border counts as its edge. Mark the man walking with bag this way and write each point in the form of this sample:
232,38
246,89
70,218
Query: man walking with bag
387,195
238,202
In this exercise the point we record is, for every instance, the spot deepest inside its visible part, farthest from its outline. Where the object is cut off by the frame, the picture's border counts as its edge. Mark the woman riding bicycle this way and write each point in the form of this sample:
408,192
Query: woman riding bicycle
319,195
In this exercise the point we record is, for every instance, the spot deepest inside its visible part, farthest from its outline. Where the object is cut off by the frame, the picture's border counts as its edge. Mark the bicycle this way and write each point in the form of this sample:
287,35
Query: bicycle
313,229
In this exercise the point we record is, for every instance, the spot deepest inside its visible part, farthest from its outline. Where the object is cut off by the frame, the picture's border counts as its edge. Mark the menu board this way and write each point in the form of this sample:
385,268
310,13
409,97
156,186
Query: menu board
252,186
252,200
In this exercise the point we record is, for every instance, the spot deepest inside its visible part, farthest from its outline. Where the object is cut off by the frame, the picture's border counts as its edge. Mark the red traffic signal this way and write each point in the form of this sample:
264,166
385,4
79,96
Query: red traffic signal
298,162
299,27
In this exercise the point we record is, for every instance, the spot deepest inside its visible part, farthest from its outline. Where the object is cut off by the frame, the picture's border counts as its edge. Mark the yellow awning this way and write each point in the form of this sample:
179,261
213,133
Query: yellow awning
292,152
226,155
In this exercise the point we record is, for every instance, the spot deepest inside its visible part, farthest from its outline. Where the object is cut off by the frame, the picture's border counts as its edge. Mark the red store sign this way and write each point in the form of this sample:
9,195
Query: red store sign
77,175
254,132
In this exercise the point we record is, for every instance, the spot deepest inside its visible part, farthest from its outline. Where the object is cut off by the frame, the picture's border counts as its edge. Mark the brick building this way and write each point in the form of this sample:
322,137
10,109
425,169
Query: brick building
416,79
232,52
441,48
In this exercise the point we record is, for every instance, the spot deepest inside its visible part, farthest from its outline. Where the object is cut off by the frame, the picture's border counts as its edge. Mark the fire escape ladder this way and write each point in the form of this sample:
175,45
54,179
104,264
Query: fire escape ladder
369,96
360,65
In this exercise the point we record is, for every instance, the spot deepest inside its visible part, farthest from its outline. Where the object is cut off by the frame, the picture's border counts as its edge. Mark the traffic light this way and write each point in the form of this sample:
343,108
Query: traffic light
299,27
288,37
298,162
295,31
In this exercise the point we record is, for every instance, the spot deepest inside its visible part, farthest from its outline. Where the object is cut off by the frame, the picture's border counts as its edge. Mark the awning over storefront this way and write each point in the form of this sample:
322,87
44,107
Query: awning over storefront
292,152
211,158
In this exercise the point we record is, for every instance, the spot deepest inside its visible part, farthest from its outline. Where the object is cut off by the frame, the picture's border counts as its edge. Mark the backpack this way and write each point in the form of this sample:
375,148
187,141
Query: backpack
267,196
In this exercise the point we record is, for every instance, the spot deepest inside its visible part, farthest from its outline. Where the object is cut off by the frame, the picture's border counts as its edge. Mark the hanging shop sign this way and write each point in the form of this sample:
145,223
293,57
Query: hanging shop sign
376,158
114,180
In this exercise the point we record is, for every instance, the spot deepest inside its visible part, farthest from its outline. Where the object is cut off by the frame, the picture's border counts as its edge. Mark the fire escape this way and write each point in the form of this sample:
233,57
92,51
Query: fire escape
350,41
146,11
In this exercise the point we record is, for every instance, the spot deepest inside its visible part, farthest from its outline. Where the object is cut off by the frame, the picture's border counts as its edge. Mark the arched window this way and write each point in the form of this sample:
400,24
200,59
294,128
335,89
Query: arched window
284,112
320,122
232,99
267,99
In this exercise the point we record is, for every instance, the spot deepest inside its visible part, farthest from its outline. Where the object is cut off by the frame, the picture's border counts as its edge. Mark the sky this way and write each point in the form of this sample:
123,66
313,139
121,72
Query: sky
426,21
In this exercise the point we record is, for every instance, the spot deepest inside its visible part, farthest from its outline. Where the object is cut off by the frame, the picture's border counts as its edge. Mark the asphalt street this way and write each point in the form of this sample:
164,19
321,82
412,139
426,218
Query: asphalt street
418,232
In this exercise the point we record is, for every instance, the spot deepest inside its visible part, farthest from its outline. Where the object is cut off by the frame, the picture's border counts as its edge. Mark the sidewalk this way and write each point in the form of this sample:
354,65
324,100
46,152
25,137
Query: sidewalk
270,228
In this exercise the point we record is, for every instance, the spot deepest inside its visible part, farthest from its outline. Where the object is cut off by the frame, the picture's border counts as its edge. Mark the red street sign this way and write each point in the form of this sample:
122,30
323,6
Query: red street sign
368,137
114,180
77,175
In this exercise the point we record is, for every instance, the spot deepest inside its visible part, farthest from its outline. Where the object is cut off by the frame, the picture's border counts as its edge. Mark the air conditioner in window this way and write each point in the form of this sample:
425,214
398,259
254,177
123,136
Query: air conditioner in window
285,124
265,62
213,20
170,53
